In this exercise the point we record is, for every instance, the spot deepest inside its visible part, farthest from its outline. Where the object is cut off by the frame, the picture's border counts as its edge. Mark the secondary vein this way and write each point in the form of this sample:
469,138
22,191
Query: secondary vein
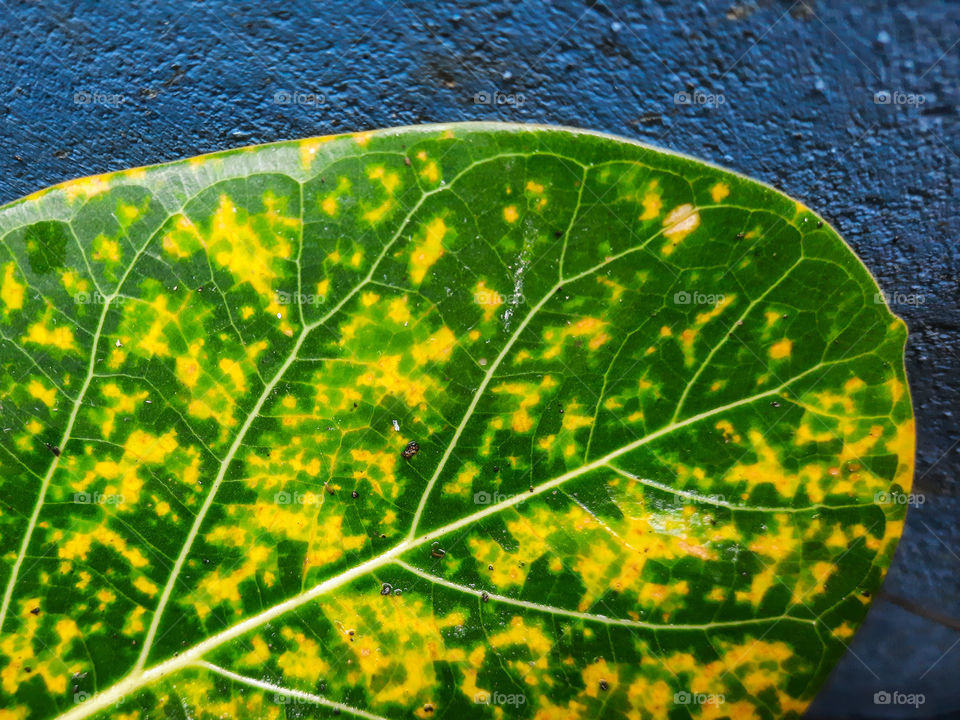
592,617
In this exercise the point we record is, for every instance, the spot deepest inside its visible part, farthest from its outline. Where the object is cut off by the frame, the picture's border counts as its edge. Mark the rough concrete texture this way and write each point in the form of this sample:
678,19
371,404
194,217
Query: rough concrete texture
91,87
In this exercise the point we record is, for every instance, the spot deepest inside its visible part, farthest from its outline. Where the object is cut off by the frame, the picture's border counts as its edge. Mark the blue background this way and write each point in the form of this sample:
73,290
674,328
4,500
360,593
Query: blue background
89,87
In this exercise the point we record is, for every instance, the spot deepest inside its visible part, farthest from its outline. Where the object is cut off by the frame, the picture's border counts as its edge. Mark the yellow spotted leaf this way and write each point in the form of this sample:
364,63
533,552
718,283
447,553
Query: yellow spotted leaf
456,421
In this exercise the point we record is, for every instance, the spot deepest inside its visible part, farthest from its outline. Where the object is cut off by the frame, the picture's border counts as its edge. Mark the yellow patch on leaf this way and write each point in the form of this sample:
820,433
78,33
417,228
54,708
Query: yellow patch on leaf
679,222
719,192
428,250
781,349
11,290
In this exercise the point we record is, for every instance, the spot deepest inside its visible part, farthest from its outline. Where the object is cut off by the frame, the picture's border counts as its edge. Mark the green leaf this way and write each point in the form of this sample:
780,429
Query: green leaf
463,421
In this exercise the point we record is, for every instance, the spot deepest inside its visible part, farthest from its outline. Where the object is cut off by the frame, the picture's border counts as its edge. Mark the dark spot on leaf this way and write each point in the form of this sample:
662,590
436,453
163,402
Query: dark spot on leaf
54,449
35,611
46,244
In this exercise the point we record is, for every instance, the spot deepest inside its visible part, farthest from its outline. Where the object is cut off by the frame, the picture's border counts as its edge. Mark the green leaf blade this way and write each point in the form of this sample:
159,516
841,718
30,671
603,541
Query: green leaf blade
662,421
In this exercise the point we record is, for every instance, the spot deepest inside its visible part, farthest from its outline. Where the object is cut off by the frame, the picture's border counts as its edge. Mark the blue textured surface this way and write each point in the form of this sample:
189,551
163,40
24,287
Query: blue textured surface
798,80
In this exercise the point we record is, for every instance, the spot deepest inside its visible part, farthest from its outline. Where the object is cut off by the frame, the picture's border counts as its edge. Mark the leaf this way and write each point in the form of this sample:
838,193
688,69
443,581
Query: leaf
461,420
